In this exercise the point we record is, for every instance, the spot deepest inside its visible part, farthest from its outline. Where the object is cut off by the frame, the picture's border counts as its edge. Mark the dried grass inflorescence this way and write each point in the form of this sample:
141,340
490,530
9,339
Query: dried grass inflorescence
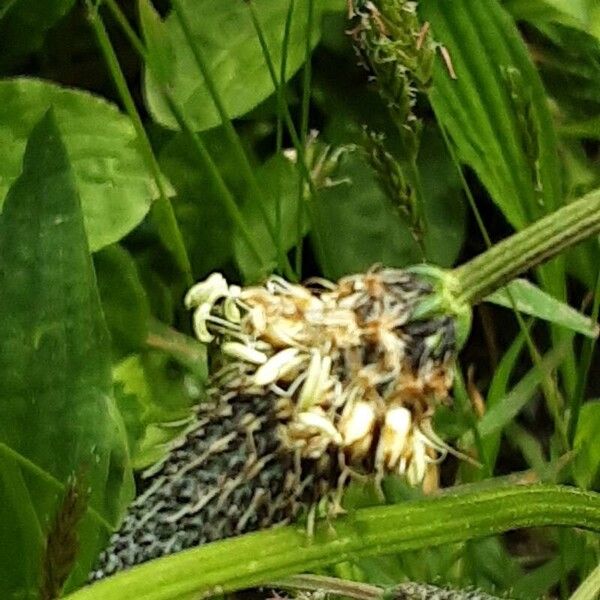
312,385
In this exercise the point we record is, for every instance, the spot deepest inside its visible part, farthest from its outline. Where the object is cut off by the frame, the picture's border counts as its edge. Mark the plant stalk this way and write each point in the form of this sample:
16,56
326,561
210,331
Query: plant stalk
234,140
528,248
282,551
162,210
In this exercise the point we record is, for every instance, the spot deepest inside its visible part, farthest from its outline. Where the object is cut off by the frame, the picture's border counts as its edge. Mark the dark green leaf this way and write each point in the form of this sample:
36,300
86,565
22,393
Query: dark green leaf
115,186
56,409
278,179
206,228
225,33
124,300
359,225
23,26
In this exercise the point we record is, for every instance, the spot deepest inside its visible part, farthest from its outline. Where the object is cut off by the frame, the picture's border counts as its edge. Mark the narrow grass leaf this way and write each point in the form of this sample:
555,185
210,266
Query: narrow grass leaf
531,300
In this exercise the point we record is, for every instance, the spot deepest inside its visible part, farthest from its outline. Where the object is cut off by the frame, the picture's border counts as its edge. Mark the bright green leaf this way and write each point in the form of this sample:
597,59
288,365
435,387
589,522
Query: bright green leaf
160,53
154,403
587,462
56,409
531,300
23,26
115,186
225,33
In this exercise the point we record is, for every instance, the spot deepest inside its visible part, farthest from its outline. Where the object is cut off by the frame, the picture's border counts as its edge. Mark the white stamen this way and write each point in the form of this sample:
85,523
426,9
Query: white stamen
271,371
418,462
200,329
244,352
321,423
394,434
358,424
307,395
206,291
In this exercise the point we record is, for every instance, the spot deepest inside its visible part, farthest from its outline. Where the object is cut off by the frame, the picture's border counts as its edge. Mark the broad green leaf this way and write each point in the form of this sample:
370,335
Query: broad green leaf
160,53
156,408
531,300
495,109
360,228
124,302
115,186
23,26
569,63
278,179
225,34
56,408
587,462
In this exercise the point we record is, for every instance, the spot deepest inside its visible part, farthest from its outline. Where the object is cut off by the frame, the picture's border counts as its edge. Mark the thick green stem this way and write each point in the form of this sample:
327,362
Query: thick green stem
256,558
528,248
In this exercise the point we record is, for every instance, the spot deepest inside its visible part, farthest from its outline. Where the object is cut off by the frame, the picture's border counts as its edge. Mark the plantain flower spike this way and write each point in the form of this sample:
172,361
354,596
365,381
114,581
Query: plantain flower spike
311,386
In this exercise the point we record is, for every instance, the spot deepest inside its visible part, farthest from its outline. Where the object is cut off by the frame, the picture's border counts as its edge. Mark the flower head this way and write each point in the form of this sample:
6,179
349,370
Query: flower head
355,374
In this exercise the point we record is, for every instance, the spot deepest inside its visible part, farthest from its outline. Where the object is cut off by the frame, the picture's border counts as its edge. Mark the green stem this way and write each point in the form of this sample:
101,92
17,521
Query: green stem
204,156
162,210
239,154
528,248
549,387
306,80
255,558
281,103
296,142
584,368
329,585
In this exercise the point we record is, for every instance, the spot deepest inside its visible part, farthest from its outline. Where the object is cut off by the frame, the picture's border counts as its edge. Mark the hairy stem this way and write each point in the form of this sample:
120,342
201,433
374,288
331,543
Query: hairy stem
528,248
282,551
